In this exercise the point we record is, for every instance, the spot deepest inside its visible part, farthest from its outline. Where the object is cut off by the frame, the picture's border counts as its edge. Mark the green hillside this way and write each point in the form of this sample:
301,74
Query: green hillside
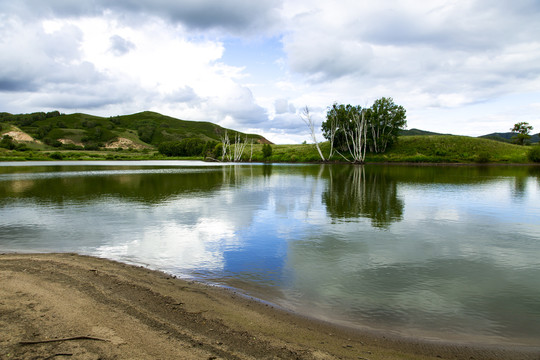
142,130
507,137
45,136
413,132
415,149
451,149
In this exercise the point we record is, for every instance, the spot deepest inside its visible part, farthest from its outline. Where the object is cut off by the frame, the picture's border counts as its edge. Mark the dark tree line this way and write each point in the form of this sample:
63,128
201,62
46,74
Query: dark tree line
191,147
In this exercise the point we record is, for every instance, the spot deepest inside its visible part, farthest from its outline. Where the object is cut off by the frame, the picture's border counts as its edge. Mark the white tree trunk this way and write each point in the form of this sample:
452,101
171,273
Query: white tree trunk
226,146
356,138
306,117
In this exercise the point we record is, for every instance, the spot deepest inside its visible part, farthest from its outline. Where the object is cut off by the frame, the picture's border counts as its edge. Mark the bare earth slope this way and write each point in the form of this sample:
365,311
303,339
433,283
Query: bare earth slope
56,306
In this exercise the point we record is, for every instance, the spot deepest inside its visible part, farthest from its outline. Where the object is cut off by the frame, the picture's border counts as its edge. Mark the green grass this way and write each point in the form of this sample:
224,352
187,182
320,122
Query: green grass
419,149
451,149
413,149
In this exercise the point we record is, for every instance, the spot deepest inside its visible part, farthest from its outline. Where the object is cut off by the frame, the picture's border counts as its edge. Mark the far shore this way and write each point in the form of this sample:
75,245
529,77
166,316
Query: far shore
332,162
67,305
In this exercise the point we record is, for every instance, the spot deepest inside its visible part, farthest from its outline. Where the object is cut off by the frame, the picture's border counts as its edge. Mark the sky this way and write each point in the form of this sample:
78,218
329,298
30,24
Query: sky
464,67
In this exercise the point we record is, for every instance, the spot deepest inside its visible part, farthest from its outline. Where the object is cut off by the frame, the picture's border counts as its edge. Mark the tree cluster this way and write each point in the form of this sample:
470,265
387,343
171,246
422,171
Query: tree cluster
354,130
7,142
190,147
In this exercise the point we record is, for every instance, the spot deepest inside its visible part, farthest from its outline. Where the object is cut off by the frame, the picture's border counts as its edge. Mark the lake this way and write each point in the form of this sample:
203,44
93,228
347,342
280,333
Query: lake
436,252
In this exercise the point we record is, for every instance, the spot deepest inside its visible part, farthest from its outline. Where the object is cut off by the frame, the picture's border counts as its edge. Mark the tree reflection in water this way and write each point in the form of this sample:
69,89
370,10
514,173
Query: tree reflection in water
360,191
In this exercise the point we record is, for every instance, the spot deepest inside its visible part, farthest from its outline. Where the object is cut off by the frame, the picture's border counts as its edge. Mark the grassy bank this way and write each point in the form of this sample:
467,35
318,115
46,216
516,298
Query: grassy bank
48,155
421,149
452,149
410,149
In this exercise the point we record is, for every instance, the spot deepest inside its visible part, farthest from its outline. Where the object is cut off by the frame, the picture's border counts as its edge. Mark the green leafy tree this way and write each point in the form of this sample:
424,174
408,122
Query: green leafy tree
7,142
384,120
267,151
52,114
185,147
218,151
346,129
339,120
534,154
522,129
382,123
146,132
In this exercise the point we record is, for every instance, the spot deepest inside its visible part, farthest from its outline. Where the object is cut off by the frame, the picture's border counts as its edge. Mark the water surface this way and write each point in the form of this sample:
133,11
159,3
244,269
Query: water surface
440,252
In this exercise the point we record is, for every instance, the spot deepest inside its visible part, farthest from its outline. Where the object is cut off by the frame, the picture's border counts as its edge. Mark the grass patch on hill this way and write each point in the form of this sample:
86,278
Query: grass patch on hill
419,149
451,149
413,149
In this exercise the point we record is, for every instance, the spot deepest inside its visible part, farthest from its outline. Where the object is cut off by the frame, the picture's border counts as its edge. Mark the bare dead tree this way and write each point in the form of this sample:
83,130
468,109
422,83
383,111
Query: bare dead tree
306,117
332,133
239,147
226,147
233,152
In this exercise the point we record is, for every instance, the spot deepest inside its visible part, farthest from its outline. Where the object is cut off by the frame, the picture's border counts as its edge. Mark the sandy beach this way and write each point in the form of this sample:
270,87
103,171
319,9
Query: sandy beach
66,306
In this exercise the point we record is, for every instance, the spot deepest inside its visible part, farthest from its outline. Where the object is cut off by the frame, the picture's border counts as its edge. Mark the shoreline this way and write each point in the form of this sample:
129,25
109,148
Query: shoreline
142,313
340,162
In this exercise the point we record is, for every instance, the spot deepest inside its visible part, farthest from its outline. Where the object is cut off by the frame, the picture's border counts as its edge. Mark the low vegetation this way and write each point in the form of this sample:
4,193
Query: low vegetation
424,149
53,136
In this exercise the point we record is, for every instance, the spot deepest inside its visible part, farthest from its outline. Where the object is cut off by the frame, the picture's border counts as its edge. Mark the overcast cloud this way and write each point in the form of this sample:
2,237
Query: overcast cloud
466,67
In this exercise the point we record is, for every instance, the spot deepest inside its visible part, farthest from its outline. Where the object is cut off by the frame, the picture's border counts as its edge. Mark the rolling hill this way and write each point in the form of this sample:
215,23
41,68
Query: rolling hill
502,137
142,130
415,132
507,137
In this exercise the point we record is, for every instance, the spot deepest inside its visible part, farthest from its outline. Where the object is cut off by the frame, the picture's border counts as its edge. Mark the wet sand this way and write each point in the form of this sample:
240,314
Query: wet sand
66,306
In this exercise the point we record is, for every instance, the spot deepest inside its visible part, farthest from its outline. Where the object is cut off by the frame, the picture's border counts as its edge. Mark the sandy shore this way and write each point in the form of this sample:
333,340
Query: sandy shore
65,306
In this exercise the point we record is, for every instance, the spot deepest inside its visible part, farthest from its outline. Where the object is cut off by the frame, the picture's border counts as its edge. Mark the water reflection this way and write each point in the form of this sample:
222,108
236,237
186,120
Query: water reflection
352,192
151,186
415,249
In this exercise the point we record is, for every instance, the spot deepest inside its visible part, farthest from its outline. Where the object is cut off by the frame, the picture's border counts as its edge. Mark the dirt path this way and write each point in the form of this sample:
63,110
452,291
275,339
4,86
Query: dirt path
88,308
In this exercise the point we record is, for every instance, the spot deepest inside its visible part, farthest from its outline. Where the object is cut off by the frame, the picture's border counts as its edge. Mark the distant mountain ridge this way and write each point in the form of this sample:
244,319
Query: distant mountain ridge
144,129
502,137
414,132
507,137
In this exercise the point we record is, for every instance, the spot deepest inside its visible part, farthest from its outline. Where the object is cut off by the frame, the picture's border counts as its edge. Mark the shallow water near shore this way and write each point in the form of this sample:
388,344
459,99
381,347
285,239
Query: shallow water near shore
440,252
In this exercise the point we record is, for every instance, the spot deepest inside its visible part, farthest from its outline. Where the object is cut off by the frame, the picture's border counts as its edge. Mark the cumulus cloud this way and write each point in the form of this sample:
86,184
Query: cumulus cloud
235,16
34,60
453,44
448,62
120,46
283,106
237,107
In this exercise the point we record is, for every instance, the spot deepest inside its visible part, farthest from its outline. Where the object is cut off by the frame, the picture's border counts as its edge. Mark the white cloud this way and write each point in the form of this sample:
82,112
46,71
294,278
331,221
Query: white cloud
120,46
454,65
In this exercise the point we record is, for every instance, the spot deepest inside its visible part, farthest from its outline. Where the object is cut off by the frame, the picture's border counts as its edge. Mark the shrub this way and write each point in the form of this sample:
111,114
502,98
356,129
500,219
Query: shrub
185,147
22,147
91,146
267,151
483,157
52,142
534,154
69,146
56,156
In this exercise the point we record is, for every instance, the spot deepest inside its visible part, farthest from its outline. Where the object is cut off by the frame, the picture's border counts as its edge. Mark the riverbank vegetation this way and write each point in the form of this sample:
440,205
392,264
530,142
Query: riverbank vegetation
409,149
53,136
